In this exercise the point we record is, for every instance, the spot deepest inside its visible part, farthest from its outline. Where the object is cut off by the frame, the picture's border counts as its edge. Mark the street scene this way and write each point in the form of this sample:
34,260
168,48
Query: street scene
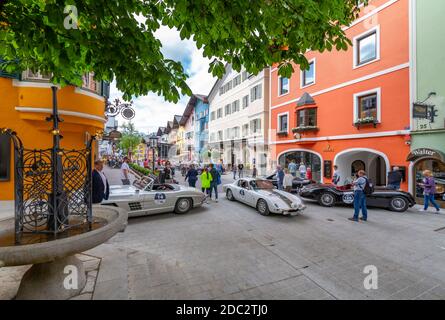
241,156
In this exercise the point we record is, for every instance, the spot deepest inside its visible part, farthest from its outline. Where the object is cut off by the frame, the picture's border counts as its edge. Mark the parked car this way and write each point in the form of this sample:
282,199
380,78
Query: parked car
262,195
329,195
145,197
297,184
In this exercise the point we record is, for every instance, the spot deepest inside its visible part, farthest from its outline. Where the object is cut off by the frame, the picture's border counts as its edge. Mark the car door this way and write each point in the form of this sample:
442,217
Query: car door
243,188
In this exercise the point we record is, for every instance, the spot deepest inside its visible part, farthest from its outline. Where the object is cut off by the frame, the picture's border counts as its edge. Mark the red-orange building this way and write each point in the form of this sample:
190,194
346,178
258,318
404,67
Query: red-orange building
351,108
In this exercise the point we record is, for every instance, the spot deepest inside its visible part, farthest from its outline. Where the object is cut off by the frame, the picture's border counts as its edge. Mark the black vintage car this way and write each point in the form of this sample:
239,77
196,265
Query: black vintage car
329,195
297,183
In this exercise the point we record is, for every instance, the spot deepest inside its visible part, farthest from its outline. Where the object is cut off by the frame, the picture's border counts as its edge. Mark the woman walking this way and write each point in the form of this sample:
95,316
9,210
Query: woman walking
429,191
287,181
206,180
192,176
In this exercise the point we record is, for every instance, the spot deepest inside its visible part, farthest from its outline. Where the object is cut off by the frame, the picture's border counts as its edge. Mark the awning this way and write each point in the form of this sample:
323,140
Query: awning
426,153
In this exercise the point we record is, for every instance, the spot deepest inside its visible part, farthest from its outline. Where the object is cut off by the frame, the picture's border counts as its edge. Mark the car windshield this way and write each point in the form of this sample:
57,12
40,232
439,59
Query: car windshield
261,184
144,183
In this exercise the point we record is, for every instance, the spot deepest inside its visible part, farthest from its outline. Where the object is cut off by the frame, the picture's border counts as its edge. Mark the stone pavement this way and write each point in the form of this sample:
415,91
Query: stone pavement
226,250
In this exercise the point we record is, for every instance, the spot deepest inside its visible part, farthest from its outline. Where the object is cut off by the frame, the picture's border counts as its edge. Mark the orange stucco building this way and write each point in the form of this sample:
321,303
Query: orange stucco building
351,108
26,102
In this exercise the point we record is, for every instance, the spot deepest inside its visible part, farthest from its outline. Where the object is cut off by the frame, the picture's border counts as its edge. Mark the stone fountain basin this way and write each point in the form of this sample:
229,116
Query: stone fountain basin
58,249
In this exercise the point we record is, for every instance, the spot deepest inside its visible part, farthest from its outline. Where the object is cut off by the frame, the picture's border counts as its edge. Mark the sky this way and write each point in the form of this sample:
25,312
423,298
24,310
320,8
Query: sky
152,111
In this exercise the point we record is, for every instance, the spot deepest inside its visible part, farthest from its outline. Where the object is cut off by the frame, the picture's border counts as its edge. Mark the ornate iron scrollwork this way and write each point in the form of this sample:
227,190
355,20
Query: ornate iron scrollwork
124,108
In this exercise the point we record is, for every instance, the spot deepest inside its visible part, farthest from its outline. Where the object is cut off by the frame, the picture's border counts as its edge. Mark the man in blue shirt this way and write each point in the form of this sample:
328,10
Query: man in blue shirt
360,197
293,168
280,177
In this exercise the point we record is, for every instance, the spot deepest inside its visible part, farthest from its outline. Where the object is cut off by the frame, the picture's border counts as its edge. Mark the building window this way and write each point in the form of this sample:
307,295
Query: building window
212,137
283,86
255,126
220,135
29,75
283,122
367,107
228,134
235,106
308,76
256,93
237,81
219,113
367,47
5,158
212,116
227,110
235,132
245,101
245,130
307,117
245,76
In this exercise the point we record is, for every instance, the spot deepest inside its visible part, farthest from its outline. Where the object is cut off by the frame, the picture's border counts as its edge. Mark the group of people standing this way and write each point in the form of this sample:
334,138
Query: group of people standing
210,179
285,176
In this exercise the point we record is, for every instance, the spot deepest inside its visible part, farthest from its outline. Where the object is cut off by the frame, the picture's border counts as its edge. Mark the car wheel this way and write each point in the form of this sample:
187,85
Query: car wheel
398,204
229,195
262,207
183,205
326,199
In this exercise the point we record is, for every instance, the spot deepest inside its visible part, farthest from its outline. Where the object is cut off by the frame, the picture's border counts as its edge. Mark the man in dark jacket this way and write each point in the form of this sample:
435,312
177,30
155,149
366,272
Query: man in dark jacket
192,176
394,179
214,184
101,188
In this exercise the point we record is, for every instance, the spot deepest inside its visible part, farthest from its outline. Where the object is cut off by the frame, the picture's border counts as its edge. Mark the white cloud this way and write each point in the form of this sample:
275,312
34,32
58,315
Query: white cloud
153,111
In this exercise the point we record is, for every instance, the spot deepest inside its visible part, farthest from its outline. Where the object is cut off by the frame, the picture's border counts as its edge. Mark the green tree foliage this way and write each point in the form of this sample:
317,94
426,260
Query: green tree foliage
130,138
112,41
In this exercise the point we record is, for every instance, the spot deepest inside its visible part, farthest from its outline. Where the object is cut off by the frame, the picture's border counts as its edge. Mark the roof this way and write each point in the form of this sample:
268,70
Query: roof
176,121
306,99
161,131
191,106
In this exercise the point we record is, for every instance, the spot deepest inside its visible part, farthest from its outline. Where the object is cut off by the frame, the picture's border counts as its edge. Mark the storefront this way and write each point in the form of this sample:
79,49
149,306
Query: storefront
428,159
310,160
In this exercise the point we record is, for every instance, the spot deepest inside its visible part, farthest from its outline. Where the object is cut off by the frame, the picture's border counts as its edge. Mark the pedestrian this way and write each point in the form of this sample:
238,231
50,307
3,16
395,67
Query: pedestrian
429,191
254,172
206,179
309,173
360,197
394,179
240,170
280,177
234,171
101,188
216,179
287,180
125,170
336,176
302,170
192,176
292,168
168,174
146,165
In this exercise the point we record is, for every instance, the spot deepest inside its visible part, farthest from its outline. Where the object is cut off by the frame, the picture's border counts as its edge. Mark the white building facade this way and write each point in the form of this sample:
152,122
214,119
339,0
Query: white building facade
239,118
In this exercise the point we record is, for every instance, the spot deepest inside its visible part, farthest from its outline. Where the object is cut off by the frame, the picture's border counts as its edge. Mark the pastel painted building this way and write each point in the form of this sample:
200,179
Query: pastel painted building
350,108
26,102
428,92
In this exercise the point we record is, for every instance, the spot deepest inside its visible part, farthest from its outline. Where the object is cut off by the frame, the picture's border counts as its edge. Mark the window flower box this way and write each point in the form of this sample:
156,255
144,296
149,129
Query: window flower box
282,134
366,121
305,129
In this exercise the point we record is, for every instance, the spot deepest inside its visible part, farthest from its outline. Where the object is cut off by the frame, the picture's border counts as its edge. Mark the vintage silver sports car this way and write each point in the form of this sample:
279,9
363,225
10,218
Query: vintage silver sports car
262,195
145,197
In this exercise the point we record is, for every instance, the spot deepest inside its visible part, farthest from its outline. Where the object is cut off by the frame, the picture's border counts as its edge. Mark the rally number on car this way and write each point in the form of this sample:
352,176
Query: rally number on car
241,192
348,198
160,198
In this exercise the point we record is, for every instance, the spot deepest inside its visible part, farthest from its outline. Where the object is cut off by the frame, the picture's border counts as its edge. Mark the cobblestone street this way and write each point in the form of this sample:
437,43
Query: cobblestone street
227,250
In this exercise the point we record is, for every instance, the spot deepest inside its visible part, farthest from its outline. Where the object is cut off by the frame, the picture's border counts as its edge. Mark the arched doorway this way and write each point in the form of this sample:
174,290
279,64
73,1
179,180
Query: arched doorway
310,159
375,163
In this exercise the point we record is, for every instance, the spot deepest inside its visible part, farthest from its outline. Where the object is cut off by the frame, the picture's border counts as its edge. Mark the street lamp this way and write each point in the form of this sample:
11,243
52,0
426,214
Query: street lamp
153,144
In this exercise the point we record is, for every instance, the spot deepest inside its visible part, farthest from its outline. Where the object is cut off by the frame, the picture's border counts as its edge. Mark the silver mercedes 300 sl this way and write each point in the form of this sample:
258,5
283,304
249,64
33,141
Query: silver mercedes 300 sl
145,197
262,195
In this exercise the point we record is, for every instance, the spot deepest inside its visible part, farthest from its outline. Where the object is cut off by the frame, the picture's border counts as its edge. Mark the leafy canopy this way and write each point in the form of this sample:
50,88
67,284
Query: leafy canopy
116,39
130,139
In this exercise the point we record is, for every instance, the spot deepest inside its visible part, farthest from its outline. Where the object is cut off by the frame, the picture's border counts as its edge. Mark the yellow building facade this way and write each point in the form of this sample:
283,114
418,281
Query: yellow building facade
26,102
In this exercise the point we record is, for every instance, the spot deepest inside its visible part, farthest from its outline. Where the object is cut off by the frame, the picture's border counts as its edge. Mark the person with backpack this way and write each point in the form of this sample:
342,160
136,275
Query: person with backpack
216,179
362,187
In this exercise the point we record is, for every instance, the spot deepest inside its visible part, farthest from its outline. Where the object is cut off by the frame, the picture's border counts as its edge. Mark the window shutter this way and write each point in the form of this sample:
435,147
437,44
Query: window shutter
260,91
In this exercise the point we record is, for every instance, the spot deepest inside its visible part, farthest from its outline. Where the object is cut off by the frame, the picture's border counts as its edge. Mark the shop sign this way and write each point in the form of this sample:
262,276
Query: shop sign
425,153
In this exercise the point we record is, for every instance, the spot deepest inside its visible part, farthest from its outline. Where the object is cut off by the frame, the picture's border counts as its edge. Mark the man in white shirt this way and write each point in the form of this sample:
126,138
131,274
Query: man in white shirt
125,169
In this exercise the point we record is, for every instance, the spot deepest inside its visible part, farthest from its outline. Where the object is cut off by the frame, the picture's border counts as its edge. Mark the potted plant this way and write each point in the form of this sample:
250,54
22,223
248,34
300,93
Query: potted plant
304,128
365,121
